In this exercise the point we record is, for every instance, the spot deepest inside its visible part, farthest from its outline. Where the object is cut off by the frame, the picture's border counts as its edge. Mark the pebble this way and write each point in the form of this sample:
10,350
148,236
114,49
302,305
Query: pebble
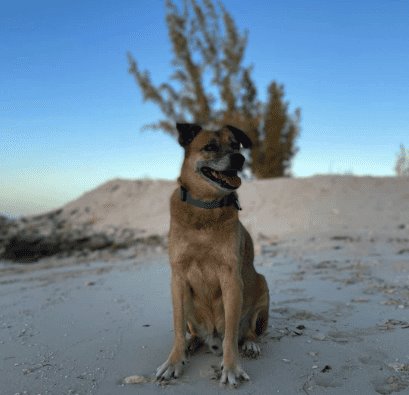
319,337
135,379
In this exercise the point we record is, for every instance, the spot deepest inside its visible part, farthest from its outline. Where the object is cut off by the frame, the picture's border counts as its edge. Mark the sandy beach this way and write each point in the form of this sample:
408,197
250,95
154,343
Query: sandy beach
335,253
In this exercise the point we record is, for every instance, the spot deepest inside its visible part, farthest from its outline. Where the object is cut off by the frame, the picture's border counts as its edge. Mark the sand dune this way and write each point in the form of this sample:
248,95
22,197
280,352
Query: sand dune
270,207
122,214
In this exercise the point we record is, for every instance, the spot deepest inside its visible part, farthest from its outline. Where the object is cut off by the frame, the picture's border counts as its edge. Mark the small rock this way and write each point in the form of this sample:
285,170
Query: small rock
319,337
135,379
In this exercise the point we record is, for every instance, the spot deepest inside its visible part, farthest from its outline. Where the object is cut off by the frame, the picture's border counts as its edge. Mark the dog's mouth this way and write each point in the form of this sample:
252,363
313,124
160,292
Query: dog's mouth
227,179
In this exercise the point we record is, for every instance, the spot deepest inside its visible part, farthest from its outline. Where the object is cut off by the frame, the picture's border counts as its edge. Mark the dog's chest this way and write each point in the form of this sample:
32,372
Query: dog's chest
203,281
199,257
203,246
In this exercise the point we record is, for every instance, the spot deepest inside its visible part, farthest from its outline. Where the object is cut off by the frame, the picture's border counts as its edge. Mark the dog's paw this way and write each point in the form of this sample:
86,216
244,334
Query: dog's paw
250,349
170,370
193,344
215,344
230,376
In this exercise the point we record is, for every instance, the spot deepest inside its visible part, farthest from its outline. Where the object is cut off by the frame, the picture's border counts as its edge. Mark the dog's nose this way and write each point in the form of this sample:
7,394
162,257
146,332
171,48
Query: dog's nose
236,161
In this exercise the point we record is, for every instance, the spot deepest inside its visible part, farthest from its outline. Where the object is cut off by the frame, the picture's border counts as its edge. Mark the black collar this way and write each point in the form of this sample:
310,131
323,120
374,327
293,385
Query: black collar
228,200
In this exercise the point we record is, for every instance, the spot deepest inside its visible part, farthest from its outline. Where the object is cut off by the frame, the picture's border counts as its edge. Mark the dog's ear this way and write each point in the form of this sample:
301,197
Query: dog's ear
187,132
240,136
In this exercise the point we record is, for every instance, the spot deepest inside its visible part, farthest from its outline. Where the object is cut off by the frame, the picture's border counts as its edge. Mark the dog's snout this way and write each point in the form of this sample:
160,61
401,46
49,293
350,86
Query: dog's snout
236,161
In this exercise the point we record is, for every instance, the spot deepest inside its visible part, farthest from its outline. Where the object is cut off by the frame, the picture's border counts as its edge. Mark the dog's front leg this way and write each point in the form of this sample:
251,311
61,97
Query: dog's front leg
232,291
173,366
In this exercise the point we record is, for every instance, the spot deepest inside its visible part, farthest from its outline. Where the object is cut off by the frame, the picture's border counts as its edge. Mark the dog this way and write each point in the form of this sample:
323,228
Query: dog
218,297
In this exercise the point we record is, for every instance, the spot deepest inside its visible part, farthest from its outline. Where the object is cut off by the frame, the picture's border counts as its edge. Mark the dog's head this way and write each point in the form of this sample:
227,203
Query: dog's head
212,158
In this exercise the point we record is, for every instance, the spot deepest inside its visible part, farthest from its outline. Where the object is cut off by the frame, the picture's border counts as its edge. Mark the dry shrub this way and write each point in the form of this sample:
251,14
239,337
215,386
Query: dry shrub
402,162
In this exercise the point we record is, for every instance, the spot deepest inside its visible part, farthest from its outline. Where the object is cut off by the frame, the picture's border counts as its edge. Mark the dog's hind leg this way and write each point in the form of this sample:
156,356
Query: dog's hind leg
194,342
258,322
250,348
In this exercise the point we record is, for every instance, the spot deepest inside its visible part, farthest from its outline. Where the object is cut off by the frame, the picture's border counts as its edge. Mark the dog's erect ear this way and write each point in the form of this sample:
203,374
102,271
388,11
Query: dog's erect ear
240,136
187,132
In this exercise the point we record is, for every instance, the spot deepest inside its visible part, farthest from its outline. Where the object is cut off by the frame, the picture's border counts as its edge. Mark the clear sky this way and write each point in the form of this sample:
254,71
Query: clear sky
71,115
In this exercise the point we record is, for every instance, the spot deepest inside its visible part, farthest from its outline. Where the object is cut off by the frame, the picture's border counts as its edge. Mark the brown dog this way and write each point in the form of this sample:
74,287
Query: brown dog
217,295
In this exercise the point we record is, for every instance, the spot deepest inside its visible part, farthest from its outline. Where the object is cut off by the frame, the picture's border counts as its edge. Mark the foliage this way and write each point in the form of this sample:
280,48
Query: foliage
210,86
402,162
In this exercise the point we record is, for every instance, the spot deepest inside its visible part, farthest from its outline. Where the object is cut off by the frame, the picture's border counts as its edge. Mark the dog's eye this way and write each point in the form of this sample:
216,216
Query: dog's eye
211,147
235,146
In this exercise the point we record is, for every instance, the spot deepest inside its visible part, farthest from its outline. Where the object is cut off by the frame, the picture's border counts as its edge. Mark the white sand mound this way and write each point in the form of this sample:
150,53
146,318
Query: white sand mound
270,207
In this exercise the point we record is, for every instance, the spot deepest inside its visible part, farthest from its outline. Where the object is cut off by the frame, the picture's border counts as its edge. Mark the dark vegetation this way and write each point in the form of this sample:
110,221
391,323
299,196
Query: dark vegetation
211,86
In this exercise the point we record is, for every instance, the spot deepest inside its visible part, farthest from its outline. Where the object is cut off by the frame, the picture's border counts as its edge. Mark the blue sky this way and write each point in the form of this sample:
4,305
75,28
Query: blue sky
71,115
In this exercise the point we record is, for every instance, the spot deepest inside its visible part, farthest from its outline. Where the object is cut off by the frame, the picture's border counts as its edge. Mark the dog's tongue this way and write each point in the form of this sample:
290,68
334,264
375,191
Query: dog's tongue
233,181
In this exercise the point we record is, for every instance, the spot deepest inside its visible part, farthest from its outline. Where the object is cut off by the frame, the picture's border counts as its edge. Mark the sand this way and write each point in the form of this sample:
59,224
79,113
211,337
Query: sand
270,207
338,273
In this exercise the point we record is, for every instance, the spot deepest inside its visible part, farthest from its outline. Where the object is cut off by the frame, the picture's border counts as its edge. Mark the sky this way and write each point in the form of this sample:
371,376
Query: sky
71,116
